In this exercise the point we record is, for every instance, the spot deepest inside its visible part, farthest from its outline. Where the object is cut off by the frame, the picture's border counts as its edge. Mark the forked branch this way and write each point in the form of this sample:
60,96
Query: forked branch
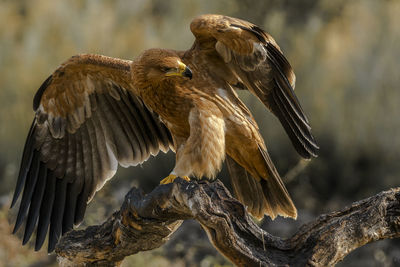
146,222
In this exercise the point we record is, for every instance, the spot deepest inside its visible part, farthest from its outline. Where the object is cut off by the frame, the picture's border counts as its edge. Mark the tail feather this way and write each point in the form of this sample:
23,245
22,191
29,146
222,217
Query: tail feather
267,195
275,191
247,190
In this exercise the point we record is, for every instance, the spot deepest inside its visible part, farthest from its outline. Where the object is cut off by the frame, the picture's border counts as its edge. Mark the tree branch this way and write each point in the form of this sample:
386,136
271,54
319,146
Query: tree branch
146,222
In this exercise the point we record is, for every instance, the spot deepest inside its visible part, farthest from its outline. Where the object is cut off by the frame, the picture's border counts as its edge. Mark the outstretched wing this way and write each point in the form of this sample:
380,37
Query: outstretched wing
88,120
257,63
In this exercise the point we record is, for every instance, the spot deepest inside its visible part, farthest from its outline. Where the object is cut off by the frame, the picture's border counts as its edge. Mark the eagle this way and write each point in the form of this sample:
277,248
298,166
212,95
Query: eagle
95,112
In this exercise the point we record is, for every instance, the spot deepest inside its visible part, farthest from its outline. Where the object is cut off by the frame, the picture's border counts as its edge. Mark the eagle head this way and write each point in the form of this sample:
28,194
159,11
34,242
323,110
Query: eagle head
155,66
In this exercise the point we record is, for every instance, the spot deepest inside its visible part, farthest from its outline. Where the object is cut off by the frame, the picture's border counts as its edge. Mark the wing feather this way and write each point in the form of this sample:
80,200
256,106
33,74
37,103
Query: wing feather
126,144
79,173
62,157
25,163
84,188
136,124
34,208
91,168
147,122
139,147
71,159
256,61
75,184
57,213
293,128
28,190
73,191
156,132
117,127
88,119
106,157
45,210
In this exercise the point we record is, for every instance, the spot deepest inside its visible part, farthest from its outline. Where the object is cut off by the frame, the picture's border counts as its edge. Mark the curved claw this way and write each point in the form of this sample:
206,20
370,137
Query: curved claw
171,178
186,178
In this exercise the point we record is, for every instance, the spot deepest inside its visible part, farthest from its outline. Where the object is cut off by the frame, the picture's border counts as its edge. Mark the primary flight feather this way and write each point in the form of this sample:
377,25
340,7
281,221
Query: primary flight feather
95,112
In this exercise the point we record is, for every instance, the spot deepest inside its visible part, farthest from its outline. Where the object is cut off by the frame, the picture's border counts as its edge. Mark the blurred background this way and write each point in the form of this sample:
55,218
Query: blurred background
346,56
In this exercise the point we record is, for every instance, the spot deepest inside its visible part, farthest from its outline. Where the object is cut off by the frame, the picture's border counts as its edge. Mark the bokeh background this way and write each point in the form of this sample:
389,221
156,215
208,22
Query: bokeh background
346,55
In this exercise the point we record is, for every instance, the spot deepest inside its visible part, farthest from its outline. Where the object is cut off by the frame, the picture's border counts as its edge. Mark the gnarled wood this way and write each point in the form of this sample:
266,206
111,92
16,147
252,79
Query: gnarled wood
145,222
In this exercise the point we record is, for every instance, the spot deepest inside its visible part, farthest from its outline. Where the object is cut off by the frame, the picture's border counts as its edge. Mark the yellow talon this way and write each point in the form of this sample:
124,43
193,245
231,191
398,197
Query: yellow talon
171,178
186,178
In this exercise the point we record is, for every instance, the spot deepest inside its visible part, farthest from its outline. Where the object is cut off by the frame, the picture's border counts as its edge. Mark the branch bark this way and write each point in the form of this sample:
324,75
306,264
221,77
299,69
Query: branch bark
145,222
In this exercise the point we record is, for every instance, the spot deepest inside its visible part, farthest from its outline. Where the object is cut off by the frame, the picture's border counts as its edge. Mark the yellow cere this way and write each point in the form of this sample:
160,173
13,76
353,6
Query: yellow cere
177,72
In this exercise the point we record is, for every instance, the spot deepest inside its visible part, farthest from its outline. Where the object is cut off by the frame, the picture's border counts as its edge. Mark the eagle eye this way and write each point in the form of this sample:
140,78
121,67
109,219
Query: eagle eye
165,69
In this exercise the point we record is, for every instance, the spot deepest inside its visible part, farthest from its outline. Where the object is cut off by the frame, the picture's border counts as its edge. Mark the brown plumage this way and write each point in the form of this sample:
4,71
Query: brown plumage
94,112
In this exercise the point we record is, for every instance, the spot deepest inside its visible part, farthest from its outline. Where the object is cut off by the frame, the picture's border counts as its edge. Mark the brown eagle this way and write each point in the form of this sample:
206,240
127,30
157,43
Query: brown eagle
94,112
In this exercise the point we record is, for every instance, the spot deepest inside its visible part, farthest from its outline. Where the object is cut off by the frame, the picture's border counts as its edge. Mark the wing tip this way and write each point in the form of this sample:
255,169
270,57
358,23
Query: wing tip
306,152
14,199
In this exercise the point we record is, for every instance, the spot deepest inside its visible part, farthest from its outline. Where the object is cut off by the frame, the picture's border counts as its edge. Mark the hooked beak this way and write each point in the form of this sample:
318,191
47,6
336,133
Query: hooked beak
187,73
182,71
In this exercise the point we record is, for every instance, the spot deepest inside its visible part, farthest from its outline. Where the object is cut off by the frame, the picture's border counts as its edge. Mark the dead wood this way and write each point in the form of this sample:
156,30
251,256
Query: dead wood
146,222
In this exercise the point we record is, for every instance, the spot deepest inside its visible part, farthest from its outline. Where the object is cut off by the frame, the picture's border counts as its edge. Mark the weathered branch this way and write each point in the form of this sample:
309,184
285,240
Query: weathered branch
146,222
